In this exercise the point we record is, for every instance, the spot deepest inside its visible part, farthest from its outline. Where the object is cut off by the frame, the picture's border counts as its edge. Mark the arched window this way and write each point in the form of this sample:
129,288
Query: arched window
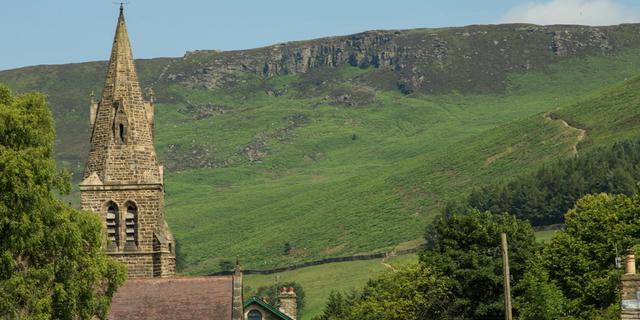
255,315
131,225
113,234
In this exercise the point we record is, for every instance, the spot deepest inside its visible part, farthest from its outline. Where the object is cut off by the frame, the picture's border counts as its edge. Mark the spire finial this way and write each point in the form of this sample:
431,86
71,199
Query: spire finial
122,3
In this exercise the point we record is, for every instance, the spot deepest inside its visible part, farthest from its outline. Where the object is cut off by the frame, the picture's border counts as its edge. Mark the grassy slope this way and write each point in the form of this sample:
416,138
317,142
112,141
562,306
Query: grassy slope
327,194
610,114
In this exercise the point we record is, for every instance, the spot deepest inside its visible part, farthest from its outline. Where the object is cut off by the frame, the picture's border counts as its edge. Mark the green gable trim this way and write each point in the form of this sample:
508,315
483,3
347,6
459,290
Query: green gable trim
267,306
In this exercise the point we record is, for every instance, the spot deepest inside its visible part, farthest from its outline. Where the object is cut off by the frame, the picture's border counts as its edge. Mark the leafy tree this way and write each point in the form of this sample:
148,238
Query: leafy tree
286,248
338,306
465,248
413,292
226,265
270,294
52,264
581,260
540,298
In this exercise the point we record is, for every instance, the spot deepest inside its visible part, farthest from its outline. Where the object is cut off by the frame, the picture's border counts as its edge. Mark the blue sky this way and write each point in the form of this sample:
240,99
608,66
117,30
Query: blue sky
51,32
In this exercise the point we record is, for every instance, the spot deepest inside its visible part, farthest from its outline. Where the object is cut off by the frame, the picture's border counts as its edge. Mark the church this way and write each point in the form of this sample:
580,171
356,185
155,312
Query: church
123,182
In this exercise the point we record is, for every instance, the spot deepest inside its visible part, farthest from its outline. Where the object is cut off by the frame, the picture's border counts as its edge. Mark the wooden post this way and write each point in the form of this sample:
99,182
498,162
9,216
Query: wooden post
505,272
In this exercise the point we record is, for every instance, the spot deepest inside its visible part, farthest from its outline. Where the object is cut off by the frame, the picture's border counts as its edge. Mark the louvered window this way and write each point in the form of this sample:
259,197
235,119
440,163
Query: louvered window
131,225
112,224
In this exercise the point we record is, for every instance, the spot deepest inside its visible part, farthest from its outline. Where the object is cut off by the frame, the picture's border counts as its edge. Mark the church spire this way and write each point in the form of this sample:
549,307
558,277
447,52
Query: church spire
123,126
122,178
121,71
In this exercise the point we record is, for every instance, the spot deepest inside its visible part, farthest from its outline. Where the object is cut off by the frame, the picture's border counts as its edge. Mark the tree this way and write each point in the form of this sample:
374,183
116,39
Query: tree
465,248
540,297
226,265
52,263
413,292
338,306
581,260
286,248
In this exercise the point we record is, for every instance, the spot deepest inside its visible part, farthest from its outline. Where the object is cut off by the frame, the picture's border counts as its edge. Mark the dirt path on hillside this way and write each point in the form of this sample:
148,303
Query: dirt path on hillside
384,263
582,133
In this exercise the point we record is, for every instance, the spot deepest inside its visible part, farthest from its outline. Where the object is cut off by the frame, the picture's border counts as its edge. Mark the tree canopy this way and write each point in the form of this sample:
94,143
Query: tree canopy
52,263
465,248
581,260
413,292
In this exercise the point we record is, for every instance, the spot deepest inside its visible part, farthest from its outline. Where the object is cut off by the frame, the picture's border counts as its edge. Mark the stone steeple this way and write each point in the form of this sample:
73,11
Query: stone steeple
123,181
122,149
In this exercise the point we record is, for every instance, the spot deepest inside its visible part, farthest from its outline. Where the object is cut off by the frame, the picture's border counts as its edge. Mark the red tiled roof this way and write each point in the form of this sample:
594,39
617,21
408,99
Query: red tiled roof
174,298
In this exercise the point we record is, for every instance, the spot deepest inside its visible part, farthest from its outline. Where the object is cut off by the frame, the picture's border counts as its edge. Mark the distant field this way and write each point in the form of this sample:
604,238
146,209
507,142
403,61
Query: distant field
546,235
319,281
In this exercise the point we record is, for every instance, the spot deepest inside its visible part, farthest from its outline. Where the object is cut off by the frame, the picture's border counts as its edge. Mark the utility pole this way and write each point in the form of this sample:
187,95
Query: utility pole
505,272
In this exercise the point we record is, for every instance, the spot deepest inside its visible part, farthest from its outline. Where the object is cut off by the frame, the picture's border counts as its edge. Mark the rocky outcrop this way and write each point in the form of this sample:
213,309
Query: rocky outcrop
465,58
258,147
568,43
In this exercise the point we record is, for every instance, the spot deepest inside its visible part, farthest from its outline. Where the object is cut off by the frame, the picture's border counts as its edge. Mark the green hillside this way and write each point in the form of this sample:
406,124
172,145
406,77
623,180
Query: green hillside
609,114
327,194
357,153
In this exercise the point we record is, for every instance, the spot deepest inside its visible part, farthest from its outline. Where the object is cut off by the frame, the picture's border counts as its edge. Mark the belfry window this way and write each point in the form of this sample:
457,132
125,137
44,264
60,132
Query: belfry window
131,225
112,218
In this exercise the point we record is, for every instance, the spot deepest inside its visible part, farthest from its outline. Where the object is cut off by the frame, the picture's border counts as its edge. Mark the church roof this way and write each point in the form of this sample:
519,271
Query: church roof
174,298
266,306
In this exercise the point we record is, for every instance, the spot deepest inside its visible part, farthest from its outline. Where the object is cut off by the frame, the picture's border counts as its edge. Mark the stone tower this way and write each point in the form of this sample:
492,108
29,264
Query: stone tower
123,181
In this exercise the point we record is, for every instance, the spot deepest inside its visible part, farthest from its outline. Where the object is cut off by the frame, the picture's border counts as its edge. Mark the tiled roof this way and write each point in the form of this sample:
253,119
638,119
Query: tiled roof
190,298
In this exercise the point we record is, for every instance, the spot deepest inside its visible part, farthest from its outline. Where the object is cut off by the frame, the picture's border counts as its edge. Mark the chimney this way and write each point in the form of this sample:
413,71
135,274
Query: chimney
237,309
288,303
630,267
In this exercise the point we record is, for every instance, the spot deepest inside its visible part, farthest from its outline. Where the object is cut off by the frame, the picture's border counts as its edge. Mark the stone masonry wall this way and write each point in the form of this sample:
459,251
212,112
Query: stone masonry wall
150,211
151,257
630,286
